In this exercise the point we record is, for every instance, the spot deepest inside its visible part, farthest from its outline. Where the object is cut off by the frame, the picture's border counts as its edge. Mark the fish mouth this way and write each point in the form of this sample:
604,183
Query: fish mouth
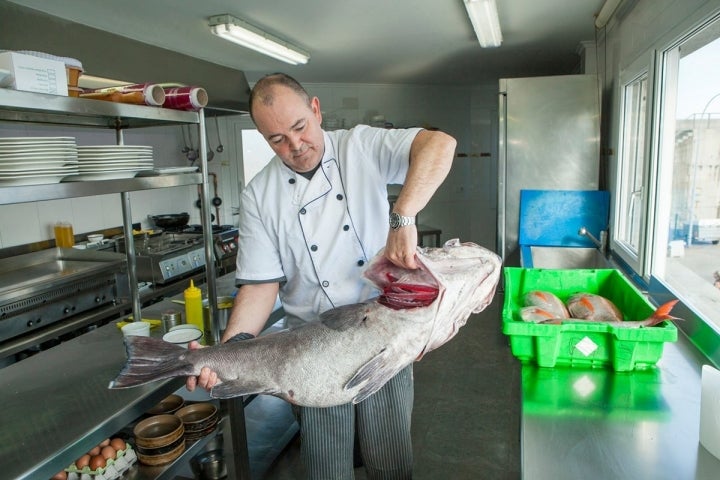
403,288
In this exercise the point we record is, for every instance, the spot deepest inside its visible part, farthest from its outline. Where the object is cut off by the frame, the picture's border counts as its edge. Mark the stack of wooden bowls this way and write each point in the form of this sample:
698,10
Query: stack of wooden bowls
159,439
199,419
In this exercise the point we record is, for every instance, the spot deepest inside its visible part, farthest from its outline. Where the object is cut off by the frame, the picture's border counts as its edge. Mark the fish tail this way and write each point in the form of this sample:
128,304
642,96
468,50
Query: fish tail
150,359
661,314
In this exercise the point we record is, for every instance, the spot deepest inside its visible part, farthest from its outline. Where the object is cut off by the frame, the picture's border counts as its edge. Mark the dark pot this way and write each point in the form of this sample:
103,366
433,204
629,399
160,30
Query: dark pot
171,220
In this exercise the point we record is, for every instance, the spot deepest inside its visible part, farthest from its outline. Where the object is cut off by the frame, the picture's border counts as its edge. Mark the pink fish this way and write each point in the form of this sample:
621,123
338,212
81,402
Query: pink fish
660,315
536,314
588,306
546,301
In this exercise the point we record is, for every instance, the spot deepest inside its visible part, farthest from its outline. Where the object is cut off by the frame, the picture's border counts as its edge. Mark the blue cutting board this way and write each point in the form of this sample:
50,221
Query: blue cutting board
552,218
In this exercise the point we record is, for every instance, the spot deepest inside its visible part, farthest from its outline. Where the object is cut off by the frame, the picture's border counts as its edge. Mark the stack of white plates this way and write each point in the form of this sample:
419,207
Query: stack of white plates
105,162
36,160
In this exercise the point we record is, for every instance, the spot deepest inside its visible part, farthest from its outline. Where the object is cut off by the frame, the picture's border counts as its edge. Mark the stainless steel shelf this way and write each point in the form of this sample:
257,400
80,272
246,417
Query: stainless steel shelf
16,106
33,193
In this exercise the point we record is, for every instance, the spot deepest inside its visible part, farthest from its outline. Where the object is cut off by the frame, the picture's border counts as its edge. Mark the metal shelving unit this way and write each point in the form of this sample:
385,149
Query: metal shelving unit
24,107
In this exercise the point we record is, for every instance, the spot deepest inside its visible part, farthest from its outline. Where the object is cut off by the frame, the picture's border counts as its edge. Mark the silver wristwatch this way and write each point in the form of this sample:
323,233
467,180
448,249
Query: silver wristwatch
397,221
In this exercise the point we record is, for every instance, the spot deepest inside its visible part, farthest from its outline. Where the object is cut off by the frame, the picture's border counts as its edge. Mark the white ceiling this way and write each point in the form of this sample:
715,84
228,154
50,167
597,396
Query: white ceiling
360,41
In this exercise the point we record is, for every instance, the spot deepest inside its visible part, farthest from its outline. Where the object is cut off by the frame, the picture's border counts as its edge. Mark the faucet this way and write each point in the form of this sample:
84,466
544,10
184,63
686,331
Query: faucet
600,244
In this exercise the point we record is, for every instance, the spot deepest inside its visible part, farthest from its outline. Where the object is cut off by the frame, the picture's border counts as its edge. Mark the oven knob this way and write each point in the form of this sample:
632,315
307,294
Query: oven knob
98,299
232,246
66,310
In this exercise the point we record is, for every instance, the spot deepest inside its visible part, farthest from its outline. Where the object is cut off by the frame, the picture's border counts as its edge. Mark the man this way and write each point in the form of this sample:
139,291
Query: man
308,223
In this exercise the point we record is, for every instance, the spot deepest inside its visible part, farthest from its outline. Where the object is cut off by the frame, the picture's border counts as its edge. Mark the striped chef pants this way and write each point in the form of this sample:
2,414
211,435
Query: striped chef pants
383,426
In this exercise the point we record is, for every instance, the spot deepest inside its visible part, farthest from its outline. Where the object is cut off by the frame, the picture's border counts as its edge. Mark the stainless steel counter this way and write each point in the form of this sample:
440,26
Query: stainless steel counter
56,405
580,423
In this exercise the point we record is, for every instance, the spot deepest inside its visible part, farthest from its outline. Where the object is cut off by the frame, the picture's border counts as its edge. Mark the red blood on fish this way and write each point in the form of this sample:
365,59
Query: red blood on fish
405,295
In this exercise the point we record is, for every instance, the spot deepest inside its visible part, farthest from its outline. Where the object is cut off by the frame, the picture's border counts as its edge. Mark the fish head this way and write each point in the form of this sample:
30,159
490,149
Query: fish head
464,274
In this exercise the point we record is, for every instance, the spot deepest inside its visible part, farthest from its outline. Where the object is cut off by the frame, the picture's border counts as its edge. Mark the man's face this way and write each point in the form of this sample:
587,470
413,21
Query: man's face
291,128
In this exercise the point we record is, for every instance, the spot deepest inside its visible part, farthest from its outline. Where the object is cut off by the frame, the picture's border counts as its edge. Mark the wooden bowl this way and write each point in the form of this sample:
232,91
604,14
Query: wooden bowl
198,416
161,455
169,404
158,431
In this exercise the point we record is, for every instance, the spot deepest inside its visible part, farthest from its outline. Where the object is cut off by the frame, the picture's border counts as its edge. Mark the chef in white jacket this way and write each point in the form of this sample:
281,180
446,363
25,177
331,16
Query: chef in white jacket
309,222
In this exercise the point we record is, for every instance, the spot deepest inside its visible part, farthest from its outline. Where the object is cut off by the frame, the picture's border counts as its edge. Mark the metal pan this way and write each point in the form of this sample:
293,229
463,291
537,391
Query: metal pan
171,220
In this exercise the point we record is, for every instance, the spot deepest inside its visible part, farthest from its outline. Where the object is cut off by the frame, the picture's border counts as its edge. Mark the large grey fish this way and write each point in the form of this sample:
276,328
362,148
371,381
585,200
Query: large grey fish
351,351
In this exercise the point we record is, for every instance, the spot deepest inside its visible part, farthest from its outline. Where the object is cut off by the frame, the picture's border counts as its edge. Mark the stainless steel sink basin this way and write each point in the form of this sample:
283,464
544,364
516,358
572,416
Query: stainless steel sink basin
567,258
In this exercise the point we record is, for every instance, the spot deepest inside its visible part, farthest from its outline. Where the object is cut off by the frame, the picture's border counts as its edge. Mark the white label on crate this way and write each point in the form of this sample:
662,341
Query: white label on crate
586,346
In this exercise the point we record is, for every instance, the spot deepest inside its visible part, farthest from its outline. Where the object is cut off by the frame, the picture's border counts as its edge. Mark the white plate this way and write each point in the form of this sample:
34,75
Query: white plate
115,163
39,148
32,180
114,148
166,171
42,157
100,176
34,168
35,140
116,159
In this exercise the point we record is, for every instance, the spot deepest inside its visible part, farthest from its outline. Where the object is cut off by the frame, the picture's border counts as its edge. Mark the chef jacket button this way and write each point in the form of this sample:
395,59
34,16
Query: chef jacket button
303,211
325,283
339,196
361,263
313,248
291,181
346,227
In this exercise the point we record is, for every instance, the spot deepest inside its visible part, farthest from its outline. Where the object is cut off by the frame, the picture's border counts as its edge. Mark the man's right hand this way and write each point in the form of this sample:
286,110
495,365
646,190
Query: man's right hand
207,378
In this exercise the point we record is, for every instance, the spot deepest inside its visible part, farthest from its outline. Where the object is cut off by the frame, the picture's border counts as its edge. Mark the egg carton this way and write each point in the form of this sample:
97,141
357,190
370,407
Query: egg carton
114,468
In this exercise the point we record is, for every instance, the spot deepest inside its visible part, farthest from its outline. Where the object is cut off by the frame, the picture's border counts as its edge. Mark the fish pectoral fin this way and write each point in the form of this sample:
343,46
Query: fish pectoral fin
237,388
372,376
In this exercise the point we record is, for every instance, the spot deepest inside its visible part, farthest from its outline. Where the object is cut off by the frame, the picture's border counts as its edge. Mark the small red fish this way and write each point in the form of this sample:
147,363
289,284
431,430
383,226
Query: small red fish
660,315
588,306
536,314
547,301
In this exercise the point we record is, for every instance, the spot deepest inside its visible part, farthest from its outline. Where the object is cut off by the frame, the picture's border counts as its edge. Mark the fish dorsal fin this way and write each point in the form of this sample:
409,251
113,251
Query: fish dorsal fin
347,316
372,376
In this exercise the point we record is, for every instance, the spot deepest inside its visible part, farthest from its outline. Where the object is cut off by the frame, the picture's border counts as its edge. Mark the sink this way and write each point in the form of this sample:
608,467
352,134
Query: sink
566,258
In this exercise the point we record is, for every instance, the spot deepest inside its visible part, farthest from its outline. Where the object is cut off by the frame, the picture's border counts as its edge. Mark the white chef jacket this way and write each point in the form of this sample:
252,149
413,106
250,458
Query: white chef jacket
315,236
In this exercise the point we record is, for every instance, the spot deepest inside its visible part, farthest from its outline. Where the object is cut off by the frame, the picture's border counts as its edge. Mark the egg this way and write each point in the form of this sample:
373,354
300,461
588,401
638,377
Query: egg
118,444
97,461
82,462
107,452
61,475
104,443
94,451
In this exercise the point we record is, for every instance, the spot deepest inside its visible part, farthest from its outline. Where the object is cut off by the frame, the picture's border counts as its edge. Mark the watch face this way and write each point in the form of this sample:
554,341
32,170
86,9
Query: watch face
394,220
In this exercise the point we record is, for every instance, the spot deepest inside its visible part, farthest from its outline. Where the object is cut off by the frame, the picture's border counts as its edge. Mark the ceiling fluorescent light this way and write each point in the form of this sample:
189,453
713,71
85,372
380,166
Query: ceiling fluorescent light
235,30
608,8
484,17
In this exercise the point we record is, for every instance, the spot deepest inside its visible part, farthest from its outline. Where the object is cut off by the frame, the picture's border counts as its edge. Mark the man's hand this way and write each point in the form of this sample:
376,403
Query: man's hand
401,247
207,378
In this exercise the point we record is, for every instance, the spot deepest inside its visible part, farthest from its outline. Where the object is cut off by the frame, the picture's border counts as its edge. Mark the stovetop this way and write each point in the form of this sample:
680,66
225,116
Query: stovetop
199,229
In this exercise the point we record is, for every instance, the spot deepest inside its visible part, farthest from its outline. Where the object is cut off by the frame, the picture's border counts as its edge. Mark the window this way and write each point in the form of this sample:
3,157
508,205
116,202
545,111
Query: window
631,206
630,218
687,230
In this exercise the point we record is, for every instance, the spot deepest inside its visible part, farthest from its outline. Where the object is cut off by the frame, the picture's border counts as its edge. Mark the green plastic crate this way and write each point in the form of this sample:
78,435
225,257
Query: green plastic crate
582,344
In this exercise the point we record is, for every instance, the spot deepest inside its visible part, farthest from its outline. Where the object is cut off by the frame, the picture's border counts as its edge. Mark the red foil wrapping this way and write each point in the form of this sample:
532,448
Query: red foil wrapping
185,98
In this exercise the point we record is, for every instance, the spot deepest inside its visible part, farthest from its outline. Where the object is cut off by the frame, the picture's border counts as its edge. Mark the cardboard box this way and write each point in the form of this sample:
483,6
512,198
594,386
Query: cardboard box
582,344
35,74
